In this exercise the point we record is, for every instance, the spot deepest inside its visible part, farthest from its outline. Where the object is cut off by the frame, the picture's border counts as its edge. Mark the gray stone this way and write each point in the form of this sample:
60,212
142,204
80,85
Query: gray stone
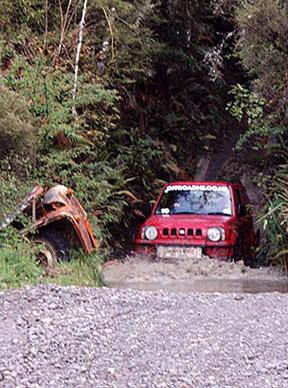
71,337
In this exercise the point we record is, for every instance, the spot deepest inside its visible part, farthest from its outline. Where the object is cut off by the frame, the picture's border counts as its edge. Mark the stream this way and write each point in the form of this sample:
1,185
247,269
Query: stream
194,276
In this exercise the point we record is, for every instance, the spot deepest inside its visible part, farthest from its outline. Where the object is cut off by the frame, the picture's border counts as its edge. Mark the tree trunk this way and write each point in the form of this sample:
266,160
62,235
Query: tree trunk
81,27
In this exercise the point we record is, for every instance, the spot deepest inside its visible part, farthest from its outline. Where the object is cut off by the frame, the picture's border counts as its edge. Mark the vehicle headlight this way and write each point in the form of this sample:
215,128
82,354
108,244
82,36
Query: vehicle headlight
216,234
150,233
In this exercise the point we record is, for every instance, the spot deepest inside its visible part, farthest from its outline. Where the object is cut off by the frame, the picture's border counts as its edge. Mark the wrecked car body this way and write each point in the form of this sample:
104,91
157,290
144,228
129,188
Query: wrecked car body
58,223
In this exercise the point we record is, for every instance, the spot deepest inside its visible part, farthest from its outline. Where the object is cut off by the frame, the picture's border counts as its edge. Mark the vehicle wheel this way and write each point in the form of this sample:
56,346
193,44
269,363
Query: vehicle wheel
257,239
47,254
249,258
238,250
53,247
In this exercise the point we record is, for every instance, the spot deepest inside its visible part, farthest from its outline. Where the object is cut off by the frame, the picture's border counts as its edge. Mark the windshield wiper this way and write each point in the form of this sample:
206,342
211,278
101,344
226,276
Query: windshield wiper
184,213
217,214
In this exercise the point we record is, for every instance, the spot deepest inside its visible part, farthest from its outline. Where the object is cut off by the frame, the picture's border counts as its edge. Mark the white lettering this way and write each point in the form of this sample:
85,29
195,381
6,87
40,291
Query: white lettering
195,188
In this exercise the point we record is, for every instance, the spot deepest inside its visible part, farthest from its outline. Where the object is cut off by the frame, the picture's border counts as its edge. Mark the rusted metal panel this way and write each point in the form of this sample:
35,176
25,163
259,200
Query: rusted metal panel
32,196
58,203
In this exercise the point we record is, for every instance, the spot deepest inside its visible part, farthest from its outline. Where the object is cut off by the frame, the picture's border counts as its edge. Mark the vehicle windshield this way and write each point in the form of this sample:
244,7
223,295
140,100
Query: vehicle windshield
195,199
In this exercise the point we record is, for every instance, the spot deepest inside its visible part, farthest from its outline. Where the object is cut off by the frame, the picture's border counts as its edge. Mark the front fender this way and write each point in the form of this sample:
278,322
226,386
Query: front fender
234,237
80,225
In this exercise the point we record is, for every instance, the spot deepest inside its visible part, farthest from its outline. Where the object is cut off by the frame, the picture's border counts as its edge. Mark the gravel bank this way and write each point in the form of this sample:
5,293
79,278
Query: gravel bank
83,337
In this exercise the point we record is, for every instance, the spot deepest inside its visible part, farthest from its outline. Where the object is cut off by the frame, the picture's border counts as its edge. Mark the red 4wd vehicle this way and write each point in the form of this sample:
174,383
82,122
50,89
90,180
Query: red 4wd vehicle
194,218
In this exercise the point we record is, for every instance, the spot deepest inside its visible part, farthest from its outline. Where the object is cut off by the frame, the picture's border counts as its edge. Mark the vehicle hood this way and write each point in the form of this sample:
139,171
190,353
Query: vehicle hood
189,220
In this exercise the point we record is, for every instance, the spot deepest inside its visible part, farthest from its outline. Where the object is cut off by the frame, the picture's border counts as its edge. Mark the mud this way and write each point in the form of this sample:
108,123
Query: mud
205,275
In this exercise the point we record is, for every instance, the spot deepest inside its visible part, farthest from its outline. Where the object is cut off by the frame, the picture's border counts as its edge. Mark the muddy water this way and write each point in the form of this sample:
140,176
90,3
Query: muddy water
205,275
252,286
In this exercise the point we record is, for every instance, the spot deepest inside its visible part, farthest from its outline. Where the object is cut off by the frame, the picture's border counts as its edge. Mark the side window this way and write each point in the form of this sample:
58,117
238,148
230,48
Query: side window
240,207
248,205
245,197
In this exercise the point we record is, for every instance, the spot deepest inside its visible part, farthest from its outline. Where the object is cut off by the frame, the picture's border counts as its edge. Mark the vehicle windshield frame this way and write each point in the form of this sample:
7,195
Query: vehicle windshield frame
192,199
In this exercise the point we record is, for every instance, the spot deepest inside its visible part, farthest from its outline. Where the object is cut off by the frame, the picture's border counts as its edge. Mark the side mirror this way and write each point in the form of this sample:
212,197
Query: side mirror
147,209
241,210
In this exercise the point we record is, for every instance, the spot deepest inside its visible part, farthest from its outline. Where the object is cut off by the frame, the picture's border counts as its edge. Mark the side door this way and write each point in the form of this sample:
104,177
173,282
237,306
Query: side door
248,224
241,218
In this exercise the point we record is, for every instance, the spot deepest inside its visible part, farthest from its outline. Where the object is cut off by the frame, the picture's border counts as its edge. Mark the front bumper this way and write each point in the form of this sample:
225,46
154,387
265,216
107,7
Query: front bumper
213,251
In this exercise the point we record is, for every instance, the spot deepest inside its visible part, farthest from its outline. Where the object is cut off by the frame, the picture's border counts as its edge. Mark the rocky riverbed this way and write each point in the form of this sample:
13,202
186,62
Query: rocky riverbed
86,337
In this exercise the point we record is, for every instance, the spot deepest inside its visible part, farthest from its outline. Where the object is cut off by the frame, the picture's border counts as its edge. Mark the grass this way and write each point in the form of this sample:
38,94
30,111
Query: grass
18,266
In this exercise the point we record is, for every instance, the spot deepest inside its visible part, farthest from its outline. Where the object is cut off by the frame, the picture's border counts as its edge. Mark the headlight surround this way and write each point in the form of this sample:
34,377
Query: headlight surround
216,234
150,233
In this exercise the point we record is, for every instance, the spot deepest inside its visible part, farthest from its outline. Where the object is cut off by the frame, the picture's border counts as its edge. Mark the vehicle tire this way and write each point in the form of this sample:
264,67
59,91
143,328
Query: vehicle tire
249,258
53,247
238,250
257,238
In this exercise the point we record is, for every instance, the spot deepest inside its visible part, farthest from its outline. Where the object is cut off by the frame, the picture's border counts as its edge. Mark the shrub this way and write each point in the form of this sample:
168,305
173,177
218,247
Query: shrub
16,131
274,245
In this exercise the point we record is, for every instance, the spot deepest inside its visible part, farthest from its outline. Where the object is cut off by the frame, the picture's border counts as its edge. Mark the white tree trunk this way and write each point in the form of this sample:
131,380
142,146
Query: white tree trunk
81,27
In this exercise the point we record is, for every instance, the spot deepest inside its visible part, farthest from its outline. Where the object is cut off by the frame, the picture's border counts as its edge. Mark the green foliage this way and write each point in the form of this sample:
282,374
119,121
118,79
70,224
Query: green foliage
70,146
90,129
16,180
89,267
247,105
16,131
274,245
263,28
262,134
17,14
17,261
83,270
104,189
263,50
121,35
18,265
262,47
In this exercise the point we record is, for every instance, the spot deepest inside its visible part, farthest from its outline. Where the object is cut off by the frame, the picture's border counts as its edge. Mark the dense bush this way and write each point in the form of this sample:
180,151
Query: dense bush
262,107
16,128
274,218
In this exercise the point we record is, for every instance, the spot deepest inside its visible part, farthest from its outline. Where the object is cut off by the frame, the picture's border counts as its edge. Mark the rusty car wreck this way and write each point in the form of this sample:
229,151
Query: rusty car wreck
58,223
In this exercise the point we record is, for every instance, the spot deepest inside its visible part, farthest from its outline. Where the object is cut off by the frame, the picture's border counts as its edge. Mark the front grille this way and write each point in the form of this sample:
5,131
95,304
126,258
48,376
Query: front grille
190,232
165,232
184,232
